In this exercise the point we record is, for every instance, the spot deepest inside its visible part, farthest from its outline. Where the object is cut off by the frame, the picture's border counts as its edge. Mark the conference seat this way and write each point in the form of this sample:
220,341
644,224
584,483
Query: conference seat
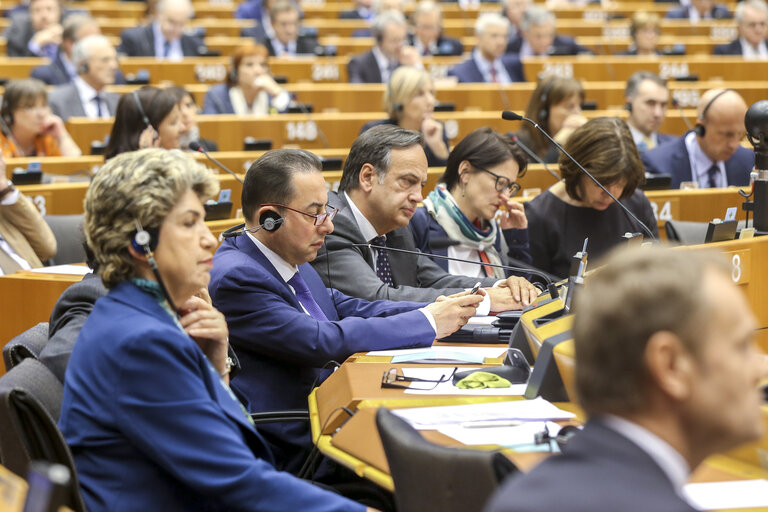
26,345
432,477
68,231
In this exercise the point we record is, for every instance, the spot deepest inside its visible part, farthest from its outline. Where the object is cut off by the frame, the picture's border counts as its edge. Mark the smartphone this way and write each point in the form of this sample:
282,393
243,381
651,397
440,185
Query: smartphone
475,289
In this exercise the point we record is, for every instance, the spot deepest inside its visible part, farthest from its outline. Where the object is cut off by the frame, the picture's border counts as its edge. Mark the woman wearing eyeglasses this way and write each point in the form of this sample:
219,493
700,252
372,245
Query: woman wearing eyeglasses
479,181
575,208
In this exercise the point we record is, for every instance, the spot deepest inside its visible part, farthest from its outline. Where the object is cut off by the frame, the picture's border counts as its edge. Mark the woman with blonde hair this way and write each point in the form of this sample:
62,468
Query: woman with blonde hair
409,100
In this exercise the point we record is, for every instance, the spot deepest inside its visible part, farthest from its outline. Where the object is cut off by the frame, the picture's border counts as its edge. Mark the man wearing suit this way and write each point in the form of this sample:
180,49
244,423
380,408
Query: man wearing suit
164,38
673,385
380,189
284,323
514,11
25,239
488,62
363,11
376,65
647,96
288,39
427,37
537,37
61,70
96,62
700,10
752,18
36,33
710,154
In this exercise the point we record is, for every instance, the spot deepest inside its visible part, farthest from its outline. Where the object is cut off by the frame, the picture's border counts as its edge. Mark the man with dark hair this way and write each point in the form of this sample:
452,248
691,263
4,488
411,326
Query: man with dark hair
285,325
380,189
288,38
377,65
666,370
647,96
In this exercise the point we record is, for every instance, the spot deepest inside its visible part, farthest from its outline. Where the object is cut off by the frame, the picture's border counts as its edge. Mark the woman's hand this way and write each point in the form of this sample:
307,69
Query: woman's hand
54,126
433,137
570,123
149,138
207,326
266,83
514,216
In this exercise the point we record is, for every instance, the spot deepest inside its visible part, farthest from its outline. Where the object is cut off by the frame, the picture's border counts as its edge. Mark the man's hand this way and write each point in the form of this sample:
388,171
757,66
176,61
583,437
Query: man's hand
450,313
513,293
48,35
433,137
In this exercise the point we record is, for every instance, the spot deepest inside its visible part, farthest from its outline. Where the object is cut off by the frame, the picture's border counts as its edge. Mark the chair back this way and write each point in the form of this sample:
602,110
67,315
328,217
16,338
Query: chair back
432,477
68,231
27,344
30,404
686,232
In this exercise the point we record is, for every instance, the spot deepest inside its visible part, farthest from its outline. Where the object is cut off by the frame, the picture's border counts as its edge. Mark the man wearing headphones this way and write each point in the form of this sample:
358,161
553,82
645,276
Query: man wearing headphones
710,154
647,97
96,62
285,325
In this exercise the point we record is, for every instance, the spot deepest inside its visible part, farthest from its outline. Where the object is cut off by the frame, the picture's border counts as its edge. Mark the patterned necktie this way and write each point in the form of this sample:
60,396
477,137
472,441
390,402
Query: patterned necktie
305,297
97,99
494,76
383,270
713,174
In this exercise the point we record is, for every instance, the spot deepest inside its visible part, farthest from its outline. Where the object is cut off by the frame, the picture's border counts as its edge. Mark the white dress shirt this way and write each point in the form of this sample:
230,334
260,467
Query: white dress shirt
750,52
502,77
88,99
285,269
700,163
282,50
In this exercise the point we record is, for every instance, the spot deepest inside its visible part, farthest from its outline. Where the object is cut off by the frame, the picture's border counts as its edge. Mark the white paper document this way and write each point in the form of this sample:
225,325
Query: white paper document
482,320
485,352
432,418
72,270
727,495
503,436
447,388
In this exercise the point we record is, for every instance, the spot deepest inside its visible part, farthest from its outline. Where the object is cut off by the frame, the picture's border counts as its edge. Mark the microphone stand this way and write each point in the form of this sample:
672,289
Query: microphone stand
196,146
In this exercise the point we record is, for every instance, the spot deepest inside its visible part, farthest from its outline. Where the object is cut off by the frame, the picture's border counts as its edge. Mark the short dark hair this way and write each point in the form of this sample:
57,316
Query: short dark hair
604,146
156,104
639,77
270,178
21,94
482,148
374,147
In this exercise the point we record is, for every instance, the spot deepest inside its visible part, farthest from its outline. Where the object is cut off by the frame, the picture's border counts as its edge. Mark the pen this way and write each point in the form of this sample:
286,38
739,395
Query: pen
491,424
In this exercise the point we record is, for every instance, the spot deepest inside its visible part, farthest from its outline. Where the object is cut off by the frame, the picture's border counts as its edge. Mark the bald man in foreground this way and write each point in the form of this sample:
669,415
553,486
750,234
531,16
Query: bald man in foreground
710,154
674,385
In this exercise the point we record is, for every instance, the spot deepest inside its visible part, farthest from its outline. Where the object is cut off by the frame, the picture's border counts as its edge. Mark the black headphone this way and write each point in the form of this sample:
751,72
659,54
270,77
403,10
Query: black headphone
628,106
544,100
700,129
83,68
141,109
5,113
270,221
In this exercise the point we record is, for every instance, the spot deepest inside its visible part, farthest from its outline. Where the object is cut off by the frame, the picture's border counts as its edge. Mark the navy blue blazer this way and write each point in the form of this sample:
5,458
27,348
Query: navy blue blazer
468,71
152,426
599,469
282,350
732,48
140,42
52,74
425,228
672,159
562,45
720,12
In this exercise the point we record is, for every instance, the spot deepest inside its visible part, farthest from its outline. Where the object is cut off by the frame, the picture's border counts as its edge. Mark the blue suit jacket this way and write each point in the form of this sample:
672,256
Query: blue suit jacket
599,470
719,12
425,228
562,45
672,159
282,350
732,48
468,71
153,427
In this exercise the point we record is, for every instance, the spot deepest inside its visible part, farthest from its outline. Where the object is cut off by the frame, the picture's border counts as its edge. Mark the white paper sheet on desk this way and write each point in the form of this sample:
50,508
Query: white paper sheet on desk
483,320
727,495
447,388
430,418
486,352
71,270
502,436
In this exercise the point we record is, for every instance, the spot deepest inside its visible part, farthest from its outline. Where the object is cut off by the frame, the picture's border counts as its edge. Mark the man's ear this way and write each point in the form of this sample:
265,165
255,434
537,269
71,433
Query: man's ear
671,367
368,176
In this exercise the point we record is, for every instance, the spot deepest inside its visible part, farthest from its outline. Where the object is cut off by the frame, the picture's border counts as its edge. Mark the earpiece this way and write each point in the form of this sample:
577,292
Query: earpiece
544,101
628,106
270,221
700,129
83,69
144,241
141,109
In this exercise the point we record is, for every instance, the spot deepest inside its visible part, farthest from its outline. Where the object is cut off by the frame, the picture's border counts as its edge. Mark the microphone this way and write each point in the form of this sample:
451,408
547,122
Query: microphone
551,286
195,146
676,104
533,155
511,116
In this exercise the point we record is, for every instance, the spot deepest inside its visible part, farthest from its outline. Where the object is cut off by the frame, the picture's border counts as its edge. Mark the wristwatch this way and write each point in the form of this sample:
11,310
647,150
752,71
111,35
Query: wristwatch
7,190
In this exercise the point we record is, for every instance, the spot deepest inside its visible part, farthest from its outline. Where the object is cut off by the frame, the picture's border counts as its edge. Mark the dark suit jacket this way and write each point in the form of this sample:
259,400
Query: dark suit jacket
425,228
140,42
468,71
599,469
18,34
720,12
52,74
672,159
282,350
65,101
363,68
351,14
305,45
562,45
145,413
445,45
351,269
257,32
732,48
67,318
633,51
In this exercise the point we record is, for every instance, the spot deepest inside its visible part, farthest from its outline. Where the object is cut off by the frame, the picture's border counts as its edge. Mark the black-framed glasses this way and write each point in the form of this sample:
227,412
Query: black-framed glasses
502,183
391,378
330,212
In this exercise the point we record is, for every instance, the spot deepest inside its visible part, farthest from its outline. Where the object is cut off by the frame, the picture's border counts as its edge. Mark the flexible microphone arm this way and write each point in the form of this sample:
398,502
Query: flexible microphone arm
533,155
551,287
676,104
195,146
508,115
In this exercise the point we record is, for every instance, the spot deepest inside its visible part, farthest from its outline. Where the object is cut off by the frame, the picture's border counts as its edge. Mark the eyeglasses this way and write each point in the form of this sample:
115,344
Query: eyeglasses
330,212
390,379
502,183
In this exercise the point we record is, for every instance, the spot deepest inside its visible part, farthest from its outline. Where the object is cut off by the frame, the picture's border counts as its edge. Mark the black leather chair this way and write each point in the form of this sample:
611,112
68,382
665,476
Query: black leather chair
27,344
30,404
686,232
432,477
